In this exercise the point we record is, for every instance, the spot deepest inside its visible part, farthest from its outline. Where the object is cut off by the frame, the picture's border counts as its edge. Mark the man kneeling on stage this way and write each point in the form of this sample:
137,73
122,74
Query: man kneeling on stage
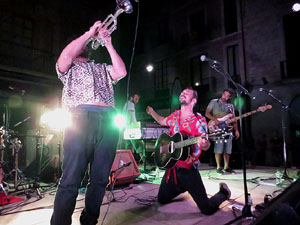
185,175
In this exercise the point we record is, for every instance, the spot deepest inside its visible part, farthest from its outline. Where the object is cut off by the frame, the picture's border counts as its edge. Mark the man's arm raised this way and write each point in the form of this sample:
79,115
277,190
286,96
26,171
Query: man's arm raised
75,48
158,118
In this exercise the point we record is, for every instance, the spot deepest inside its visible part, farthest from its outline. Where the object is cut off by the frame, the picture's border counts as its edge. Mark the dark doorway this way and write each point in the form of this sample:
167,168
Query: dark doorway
291,23
295,130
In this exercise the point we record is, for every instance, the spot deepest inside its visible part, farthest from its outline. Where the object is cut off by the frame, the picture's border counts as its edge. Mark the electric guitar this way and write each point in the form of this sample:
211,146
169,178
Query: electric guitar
225,121
170,149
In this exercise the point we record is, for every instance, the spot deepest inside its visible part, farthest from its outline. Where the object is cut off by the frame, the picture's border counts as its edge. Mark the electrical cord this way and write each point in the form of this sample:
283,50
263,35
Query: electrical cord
127,96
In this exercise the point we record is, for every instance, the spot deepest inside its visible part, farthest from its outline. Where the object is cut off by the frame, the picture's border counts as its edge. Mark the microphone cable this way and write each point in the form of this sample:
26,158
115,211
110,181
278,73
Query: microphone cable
127,96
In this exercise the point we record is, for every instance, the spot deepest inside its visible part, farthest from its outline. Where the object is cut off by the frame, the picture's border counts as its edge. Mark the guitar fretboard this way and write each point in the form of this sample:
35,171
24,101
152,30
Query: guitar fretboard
242,116
194,140
186,142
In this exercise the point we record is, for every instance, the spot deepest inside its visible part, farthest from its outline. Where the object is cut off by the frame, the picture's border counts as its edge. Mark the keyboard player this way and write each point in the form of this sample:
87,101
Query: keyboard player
129,110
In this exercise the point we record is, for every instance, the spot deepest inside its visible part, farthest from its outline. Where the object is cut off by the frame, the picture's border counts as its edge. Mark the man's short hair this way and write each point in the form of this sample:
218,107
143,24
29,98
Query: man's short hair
230,91
132,95
195,93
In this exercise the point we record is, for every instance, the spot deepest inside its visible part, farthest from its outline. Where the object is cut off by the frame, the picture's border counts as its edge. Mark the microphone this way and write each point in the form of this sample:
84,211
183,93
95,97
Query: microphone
204,58
265,90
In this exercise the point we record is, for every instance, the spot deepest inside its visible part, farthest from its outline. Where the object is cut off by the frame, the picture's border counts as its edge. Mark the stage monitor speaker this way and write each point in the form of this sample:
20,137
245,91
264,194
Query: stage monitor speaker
124,169
283,209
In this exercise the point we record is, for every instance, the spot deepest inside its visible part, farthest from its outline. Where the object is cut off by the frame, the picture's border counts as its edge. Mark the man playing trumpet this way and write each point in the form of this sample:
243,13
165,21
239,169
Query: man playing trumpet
91,141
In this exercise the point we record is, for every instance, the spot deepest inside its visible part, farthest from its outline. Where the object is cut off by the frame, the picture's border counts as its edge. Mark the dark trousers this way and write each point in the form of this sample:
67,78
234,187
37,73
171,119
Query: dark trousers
189,180
92,139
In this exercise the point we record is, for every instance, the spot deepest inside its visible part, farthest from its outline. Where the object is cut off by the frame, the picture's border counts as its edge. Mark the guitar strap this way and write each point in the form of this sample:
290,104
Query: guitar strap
229,106
196,115
169,173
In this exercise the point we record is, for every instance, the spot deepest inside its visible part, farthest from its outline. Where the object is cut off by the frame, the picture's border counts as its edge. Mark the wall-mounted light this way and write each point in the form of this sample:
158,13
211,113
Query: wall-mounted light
149,68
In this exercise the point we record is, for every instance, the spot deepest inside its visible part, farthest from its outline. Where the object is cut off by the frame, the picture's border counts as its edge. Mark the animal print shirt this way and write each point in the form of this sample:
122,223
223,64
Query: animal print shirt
192,127
87,83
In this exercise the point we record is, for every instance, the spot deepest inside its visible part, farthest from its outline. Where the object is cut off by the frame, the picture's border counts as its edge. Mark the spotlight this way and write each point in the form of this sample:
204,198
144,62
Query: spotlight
296,7
56,120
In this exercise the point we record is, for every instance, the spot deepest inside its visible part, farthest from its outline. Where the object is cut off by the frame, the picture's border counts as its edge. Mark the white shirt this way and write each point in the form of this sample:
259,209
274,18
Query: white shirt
129,107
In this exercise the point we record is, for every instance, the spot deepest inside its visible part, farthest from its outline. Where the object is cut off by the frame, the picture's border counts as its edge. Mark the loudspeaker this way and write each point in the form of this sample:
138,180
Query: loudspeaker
284,209
124,169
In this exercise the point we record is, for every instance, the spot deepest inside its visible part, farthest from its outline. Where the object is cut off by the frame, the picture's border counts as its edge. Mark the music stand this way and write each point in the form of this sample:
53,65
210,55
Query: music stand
217,66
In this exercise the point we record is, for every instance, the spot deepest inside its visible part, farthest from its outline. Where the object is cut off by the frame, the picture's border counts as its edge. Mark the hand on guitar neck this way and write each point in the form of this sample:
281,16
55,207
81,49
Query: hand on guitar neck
203,142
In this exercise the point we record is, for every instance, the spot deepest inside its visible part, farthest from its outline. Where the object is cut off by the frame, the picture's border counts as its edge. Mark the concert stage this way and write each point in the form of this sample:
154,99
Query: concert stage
135,203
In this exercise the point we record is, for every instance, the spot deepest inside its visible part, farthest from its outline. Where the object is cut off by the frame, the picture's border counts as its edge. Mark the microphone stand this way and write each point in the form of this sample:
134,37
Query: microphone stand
113,177
283,127
246,211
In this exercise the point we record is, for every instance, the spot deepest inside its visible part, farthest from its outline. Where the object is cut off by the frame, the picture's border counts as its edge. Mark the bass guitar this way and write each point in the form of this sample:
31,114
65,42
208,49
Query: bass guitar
170,149
226,121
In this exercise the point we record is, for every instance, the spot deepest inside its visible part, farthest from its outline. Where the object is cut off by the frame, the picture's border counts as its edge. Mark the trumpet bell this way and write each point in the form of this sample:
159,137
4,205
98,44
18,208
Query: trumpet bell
125,5
110,23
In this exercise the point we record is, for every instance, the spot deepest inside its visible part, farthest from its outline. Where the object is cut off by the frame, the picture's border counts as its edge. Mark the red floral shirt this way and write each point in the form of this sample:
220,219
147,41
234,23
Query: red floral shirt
192,127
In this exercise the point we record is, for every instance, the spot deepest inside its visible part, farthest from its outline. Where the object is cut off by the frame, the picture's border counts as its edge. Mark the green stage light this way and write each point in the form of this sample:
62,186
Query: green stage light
120,121
175,100
239,102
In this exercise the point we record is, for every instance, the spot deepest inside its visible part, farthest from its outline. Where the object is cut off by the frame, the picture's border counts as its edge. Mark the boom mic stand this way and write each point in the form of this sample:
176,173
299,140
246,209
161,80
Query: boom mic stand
246,211
283,127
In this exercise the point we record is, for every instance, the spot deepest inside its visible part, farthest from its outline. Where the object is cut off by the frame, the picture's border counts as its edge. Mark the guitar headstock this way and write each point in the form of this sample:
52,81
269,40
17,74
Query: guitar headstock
219,135
264,108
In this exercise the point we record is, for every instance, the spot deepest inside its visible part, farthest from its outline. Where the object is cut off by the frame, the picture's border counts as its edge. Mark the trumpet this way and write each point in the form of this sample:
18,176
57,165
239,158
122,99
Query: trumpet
110,23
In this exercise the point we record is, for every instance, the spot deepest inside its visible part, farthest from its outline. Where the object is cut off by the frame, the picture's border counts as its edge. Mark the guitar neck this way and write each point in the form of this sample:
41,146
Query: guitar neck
242,116
186,142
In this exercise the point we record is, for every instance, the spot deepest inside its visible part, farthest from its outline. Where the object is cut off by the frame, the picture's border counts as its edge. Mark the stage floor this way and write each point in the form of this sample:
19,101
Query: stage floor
136,203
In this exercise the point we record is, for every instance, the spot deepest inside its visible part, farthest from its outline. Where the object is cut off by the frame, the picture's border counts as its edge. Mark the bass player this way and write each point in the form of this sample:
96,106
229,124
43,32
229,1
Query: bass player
218,108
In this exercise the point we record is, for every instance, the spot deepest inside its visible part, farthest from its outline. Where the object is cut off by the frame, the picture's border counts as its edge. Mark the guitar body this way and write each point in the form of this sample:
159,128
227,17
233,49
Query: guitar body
166,155
212,127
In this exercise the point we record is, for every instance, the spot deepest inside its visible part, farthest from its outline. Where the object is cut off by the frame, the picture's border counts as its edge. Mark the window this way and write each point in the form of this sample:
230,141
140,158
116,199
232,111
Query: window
196,71
197,26
16,40
163,32
230,16
200,77
233,65
161,76
16,29
292,45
